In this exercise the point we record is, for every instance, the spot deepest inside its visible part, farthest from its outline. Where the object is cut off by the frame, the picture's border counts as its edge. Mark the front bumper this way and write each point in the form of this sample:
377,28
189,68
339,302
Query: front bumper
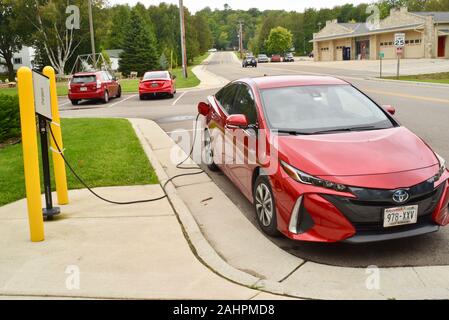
306,213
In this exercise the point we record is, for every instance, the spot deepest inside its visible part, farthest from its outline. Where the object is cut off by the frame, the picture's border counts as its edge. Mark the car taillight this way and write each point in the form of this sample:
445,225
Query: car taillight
98,84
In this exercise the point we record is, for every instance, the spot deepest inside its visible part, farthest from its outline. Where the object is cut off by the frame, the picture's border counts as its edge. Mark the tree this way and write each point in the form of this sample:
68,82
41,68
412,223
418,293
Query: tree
140,48
12,35
115,37
279,40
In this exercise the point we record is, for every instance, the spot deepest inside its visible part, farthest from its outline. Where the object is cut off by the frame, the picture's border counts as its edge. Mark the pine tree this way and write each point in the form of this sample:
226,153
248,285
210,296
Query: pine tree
139,48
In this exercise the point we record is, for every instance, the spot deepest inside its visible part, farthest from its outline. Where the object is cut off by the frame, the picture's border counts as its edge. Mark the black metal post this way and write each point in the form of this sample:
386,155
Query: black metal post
49,211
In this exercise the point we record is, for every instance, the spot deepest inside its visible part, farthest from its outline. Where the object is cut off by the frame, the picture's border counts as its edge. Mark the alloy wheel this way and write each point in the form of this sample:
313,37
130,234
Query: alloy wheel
264,204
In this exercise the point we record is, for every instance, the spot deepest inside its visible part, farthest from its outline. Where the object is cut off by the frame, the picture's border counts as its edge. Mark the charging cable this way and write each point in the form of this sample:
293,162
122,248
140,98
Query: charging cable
178,166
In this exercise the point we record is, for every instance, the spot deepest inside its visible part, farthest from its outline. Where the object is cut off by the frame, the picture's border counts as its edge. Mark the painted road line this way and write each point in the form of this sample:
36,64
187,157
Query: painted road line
179,98
118,102
408,96
64,103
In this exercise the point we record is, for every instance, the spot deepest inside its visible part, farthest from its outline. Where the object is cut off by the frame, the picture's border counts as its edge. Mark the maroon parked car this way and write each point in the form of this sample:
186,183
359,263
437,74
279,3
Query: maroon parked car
96,85
276,58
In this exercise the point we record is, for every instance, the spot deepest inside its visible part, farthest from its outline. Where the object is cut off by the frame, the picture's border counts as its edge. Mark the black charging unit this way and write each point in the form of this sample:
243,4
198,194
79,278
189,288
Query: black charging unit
42,100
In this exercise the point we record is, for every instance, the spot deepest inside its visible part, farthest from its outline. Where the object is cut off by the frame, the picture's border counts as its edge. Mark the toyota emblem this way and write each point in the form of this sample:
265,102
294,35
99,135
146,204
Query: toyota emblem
400,196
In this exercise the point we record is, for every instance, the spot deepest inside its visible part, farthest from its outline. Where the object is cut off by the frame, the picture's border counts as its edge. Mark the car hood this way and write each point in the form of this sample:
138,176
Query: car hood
373,152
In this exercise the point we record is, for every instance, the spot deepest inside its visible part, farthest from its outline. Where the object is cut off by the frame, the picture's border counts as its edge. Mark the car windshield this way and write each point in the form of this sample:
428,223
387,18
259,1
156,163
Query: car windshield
156,75
262,56
321,109
84,79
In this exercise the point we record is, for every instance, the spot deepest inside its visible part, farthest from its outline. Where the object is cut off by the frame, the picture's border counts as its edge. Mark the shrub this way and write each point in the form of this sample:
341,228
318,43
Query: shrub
9,117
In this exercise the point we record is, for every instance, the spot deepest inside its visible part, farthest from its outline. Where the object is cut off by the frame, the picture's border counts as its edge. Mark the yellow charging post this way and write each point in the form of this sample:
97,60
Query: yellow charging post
30,153
58,161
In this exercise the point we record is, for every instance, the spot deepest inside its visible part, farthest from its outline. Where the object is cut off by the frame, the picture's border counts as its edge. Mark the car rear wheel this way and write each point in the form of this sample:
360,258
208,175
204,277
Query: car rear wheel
265,207
74,102
209,153
119,92
106,97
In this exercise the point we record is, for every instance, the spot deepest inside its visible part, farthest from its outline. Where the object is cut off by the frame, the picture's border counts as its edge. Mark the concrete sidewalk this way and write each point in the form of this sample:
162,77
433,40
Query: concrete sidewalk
123,252
244,255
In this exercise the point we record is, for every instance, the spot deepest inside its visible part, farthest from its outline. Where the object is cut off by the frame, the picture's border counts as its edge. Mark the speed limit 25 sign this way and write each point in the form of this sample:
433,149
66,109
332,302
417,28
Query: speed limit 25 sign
399,40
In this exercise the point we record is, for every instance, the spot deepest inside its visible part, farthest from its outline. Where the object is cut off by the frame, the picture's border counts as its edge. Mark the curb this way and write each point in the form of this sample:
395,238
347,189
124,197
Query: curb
415,83
198,243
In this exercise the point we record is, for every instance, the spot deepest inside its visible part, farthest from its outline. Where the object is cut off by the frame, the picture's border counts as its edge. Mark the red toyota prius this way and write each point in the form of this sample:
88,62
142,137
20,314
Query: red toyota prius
322,162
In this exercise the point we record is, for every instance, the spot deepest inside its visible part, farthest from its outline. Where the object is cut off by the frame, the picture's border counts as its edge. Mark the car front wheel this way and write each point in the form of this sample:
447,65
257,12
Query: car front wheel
265,207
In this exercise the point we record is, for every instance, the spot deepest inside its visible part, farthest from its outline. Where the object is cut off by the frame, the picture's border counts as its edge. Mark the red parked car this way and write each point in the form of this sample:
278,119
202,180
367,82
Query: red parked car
97,85
156,83
276,58
337,166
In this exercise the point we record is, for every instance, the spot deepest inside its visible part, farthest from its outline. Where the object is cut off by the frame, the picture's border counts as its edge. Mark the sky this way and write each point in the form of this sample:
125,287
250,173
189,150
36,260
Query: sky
289,5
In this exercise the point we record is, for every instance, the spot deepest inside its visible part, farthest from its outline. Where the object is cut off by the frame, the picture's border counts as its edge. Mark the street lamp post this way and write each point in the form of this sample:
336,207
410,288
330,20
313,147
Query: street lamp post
92,35
183,39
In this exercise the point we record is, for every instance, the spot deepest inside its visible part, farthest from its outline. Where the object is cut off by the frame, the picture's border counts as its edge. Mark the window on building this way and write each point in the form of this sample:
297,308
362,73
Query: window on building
17,60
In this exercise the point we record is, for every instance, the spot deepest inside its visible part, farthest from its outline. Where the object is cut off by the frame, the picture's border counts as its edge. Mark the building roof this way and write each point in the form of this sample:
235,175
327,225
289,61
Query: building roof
361,29
114,53
437,16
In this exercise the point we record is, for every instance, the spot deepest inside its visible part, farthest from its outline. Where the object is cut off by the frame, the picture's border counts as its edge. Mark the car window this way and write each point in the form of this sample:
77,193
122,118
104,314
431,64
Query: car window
244,104
84,79
317,108
156,75
105,76
226,97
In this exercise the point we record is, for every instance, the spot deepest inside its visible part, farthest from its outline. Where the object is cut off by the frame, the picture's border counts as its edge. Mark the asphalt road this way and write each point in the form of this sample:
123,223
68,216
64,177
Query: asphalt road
424,109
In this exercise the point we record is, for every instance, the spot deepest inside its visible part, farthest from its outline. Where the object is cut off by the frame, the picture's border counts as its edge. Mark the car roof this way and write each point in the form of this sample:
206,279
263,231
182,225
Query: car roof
91,73
154,71
269,82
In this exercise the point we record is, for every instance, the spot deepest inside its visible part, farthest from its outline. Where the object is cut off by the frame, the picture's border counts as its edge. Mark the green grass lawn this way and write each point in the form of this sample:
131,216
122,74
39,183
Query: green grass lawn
104,152
442,77
131,86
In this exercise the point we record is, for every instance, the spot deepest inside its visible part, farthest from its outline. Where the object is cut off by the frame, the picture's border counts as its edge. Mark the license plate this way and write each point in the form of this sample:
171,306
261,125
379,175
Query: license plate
83,89
400,216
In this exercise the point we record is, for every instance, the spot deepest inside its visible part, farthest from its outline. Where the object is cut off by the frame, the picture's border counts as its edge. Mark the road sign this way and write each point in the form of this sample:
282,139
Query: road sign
42,98
399,51
399,40
381,55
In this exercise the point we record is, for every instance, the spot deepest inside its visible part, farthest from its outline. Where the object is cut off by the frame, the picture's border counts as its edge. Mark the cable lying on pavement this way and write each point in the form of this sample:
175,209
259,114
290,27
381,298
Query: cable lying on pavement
178,166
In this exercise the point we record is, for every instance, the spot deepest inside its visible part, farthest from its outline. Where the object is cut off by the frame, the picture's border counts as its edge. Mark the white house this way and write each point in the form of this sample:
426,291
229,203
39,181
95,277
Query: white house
22,58
114,57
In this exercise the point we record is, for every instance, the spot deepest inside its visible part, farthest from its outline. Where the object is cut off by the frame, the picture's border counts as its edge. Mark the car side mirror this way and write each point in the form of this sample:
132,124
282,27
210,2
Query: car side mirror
203,108
390,109
237,121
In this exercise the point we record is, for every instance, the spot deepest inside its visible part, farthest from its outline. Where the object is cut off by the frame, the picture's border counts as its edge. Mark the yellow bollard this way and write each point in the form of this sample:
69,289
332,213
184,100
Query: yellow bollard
30,153
58,161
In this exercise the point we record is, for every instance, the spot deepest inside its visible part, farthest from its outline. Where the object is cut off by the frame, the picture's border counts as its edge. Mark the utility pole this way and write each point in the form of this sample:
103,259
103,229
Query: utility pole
92,35
241,38
183,39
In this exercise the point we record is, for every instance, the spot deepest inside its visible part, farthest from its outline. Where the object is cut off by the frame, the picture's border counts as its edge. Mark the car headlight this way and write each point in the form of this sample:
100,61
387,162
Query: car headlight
305,178
441,169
